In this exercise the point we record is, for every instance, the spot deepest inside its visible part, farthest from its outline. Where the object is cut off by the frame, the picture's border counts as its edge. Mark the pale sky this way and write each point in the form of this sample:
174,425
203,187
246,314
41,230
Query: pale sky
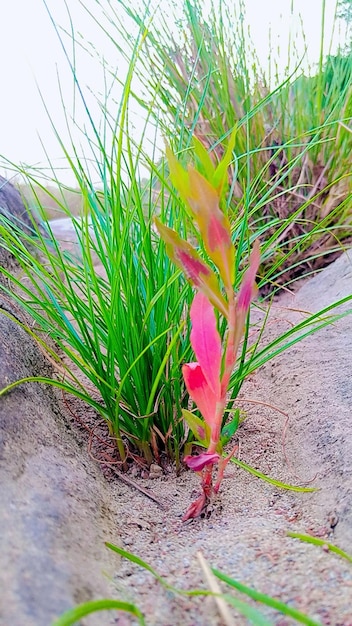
32,60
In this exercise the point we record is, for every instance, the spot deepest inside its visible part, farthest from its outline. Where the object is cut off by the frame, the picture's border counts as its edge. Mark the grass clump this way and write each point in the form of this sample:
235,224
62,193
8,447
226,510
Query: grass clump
292,175
115,306
119,325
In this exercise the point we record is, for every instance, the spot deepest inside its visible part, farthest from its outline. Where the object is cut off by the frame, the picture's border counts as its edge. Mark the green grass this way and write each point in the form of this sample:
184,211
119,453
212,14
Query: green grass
96,606
321,542
120,335
291,178
123,330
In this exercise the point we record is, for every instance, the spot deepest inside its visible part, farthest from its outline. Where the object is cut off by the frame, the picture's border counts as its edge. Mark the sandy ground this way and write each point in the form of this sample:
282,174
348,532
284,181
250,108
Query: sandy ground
246,534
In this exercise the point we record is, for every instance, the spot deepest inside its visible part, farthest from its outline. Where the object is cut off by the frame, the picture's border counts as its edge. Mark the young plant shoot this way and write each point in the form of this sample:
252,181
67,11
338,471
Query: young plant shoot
207,379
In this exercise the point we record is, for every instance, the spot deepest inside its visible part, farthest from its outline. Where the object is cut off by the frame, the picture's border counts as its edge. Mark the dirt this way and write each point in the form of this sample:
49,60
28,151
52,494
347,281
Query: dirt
245,534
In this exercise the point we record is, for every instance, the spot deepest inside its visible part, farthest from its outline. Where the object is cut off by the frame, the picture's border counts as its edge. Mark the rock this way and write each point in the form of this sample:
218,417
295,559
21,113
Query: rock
13,209
55,507
312,381
12,206
155,471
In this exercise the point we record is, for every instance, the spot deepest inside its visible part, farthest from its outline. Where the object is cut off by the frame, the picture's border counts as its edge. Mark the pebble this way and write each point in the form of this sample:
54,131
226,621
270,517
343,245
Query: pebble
155,471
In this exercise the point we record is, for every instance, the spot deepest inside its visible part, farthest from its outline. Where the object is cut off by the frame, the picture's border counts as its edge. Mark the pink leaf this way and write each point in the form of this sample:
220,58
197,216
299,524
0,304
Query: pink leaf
218,233
213,224
197,463
200,392
206,341
195,509
198,272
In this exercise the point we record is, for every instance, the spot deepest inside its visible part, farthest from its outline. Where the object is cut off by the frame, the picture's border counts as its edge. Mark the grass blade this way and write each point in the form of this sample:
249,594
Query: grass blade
321,542
267,600
82,610
271,481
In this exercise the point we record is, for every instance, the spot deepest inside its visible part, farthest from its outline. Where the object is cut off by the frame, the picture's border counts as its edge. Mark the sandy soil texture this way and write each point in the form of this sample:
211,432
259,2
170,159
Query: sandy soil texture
245,536
246,533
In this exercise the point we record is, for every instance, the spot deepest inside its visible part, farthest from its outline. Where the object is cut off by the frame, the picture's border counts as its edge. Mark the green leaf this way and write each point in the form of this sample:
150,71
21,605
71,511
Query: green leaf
204,158
245,609
199,428
179,176
220,174
73,615
264,599
321,542
135,559
268,479
272,481
230,428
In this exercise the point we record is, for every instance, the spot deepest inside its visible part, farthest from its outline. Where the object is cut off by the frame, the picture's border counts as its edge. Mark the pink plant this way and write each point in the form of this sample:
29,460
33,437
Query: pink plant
207,379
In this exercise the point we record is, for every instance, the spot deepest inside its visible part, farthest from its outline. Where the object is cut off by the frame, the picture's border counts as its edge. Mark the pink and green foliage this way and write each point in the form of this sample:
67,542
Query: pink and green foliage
207,379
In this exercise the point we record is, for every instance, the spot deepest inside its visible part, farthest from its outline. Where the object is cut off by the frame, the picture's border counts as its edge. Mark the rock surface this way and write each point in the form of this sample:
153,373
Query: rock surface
11,204
55,506
313,380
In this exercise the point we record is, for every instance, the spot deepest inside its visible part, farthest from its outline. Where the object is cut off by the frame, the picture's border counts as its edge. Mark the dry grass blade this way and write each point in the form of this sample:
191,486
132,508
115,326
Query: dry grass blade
215,588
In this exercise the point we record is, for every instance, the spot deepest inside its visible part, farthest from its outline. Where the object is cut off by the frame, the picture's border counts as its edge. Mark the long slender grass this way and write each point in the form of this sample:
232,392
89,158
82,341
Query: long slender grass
115,307
121,326
292,175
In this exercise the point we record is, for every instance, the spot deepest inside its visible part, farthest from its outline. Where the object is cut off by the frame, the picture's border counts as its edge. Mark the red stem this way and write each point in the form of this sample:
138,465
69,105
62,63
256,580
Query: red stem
230,356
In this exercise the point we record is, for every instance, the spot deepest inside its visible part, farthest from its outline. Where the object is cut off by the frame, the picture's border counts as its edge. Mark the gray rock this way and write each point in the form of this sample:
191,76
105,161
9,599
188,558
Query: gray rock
55,507
11,208
313,382
26,225
11,205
